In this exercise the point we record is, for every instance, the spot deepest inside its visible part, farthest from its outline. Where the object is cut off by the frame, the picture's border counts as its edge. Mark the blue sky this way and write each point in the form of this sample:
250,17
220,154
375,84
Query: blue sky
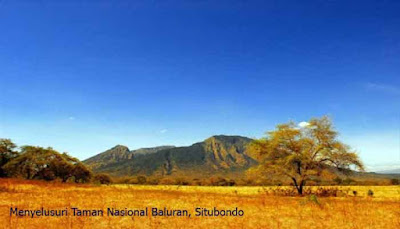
83,76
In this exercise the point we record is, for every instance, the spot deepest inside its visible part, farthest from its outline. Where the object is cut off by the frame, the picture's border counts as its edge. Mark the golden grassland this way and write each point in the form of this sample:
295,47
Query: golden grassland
261,210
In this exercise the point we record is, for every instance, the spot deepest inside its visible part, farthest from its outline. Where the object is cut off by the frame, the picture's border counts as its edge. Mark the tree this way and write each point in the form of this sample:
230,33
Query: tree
81,173
301,153
103,178
46,164
7,153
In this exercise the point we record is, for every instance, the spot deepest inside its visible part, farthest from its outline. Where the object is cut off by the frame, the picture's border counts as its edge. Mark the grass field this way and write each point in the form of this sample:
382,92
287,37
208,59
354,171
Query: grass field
260,210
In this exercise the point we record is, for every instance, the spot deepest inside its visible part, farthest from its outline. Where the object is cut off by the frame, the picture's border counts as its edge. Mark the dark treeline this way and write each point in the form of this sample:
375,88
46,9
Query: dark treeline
33,162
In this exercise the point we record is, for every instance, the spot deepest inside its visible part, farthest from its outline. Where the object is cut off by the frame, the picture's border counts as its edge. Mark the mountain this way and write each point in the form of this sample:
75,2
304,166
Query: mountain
118,154
391,171
217,154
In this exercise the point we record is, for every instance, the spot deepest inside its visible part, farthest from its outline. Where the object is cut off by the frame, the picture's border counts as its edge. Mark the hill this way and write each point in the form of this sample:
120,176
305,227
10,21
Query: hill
219,154
118,154
391,171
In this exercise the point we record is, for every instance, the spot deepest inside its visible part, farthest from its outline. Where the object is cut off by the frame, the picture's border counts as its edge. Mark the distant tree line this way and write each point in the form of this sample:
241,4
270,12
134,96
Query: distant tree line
34,162
247,181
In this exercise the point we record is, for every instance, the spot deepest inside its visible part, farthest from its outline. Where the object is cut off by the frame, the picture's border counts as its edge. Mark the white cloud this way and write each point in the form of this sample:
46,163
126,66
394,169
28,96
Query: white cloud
303,124
163,131
71,118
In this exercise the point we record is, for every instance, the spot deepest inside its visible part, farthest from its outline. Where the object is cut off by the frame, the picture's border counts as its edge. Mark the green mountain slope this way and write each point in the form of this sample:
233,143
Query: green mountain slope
215,155
118,154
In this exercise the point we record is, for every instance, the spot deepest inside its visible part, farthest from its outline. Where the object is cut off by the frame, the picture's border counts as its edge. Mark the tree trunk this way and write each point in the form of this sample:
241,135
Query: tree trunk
28,174
300,186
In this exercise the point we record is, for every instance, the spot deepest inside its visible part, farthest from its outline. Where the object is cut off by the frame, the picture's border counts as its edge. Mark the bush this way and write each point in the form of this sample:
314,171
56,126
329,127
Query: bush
197,182
81,173
394,181
220,181
370,193
132,181
348,181
246,182
153,181
123,180
102,178
338,180
141,180
181,181
167,181
320,192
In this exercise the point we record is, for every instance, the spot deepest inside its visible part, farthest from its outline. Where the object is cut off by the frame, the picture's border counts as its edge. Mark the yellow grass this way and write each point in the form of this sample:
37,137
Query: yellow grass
260,210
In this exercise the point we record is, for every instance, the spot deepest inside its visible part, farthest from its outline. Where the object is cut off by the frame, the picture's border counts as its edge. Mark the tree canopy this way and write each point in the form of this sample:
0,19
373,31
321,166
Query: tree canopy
7,152
301,153
34,162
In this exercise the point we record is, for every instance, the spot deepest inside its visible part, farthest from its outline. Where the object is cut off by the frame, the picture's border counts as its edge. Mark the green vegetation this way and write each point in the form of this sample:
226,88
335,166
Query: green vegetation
119,154
7,153
303,153
103,178
216,155
33,162
289,155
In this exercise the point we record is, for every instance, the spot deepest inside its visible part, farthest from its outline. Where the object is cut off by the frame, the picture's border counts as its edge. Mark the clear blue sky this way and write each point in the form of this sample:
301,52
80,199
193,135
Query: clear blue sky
83,76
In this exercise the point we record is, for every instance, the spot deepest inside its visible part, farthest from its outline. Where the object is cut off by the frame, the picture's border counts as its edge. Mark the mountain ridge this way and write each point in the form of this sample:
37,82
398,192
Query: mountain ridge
119,153
389,171
216,154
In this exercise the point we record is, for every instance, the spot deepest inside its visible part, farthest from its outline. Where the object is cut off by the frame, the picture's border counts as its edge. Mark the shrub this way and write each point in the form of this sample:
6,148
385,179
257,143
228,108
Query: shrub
218,181
132,181
370,193
348,181
181,181
123,180
395,181
102,178
338,180
244,182
167,181
141,179
153,181
231,182
197,182
319,192
313,198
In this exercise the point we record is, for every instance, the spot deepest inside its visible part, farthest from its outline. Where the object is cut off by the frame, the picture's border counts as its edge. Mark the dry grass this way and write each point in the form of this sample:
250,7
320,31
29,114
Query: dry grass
261,210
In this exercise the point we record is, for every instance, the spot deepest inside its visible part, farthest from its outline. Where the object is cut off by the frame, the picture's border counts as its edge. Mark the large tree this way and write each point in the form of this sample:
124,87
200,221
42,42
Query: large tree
46,164
7,153
302,152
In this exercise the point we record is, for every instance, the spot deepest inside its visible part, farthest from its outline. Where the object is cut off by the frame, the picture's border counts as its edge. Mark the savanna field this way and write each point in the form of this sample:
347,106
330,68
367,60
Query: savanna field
264,207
